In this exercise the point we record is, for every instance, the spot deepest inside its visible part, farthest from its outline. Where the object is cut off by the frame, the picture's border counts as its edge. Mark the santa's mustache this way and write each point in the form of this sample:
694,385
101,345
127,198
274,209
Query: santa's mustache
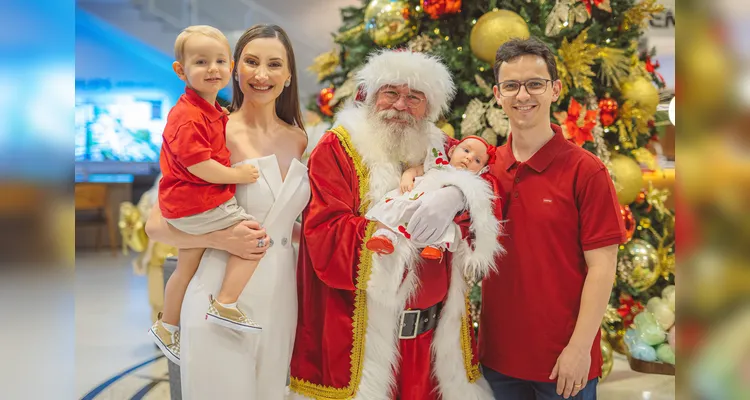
396,114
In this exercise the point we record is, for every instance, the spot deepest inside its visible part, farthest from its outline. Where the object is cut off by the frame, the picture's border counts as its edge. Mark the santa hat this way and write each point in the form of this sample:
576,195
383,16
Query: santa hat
421,72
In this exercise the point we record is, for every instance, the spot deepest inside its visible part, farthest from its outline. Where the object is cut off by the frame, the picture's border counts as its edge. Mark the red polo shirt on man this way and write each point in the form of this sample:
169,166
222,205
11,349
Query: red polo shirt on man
558,204
195,132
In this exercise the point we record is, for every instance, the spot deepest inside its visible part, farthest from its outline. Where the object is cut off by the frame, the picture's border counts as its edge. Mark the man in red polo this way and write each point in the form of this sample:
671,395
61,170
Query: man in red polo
541,313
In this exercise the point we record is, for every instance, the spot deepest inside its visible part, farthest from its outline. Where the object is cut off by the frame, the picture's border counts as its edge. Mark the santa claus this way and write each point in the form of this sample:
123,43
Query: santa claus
389,326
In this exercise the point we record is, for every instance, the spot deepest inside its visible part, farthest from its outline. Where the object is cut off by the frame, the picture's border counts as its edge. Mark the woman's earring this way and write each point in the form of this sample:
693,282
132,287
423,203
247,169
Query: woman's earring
236,78
287,82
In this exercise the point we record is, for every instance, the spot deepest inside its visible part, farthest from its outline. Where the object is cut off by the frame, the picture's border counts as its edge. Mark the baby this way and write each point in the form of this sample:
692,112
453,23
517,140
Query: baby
393,212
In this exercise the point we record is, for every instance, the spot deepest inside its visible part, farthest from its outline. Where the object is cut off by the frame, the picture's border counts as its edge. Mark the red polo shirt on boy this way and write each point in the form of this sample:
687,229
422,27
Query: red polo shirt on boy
558,204
195,132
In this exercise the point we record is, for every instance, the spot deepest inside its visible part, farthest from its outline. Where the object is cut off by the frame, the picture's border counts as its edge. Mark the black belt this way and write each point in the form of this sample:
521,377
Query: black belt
416,322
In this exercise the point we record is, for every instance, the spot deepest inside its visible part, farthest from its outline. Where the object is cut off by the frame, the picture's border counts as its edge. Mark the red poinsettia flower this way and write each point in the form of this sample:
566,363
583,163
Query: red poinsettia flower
577,123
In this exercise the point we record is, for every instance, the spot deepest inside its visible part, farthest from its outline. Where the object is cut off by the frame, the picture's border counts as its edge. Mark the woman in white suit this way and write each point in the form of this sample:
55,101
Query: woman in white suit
264,129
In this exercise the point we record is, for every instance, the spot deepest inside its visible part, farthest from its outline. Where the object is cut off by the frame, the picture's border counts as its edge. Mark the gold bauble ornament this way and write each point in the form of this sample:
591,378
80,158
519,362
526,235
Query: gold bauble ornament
643,93
640,265
492,30
391,22
628,178
607,357
447,128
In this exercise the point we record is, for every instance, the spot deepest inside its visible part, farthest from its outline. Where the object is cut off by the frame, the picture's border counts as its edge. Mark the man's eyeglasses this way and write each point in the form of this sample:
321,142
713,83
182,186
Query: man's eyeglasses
392,96
534,86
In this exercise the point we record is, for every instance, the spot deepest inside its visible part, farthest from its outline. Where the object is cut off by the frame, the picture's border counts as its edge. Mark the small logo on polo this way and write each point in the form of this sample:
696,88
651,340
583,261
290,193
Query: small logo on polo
547,201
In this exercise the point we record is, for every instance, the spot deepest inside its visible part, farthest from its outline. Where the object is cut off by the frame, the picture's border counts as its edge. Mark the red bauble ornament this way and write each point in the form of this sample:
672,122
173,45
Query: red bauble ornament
641,198
608,111
324,98
437,8
628,220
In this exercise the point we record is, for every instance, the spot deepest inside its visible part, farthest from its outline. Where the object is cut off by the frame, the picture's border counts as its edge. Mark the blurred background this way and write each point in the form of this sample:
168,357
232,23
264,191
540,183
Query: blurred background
86,86
713,95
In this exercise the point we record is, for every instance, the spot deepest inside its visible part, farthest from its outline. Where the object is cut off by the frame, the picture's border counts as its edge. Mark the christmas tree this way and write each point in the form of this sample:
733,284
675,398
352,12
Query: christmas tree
608,105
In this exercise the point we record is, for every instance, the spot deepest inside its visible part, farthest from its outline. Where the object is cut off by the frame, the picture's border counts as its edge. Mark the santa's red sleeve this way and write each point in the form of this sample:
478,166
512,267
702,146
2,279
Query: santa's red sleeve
333,230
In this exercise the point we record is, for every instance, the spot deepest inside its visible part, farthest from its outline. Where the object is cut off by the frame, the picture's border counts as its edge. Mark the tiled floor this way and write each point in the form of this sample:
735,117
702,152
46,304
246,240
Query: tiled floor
112,317
111,320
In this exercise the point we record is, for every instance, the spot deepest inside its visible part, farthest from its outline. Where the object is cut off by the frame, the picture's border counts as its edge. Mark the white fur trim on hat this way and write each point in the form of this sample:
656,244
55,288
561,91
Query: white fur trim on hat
420,71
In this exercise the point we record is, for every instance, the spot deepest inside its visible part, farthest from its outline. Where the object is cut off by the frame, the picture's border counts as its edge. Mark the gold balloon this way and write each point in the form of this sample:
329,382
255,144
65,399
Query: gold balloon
607,357
492,30
132,228
391,22
640,267
447,128
643,93
160,253
628,178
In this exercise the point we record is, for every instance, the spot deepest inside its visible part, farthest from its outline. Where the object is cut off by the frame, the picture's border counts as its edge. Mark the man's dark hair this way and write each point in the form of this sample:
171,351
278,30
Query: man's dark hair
515,48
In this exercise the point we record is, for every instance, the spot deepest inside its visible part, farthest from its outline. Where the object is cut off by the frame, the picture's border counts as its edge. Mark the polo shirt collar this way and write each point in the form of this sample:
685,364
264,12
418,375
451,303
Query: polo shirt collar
543,157
214,113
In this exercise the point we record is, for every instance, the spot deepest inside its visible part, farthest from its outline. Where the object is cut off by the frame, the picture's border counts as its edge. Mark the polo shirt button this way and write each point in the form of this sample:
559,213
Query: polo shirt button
515,195
518,180
283,241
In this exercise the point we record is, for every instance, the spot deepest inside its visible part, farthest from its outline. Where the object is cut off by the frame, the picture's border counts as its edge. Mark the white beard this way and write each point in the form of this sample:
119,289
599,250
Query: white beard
399,143
387,149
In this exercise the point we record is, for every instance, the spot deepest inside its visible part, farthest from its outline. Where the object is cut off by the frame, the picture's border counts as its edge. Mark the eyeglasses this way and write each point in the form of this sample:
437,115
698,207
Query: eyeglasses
392,96
534,86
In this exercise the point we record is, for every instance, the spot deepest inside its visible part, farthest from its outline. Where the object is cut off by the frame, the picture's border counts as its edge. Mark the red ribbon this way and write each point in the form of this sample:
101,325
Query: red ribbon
651,68
491,150
628,309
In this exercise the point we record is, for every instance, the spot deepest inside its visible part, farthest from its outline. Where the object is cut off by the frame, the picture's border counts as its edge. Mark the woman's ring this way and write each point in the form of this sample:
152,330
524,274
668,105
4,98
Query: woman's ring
261,242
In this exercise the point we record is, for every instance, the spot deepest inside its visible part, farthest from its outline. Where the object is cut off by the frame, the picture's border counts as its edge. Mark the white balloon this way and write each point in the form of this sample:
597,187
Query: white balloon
667,291
654,303
664,316
671,111
668,294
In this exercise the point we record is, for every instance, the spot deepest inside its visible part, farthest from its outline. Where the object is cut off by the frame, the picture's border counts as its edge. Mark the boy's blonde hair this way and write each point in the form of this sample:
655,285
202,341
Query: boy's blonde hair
205,30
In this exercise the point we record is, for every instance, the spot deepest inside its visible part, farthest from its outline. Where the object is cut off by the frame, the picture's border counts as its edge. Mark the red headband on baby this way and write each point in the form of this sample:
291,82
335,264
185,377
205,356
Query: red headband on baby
490,148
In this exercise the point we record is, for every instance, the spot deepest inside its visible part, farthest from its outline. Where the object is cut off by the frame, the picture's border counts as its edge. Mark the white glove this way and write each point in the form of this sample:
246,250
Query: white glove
435,213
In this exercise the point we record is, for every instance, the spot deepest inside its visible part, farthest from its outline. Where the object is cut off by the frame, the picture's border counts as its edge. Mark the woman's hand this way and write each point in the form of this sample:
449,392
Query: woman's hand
243,239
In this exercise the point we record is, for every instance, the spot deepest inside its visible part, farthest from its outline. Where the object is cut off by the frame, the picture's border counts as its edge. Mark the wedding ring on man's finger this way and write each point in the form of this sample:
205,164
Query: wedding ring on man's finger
261,242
